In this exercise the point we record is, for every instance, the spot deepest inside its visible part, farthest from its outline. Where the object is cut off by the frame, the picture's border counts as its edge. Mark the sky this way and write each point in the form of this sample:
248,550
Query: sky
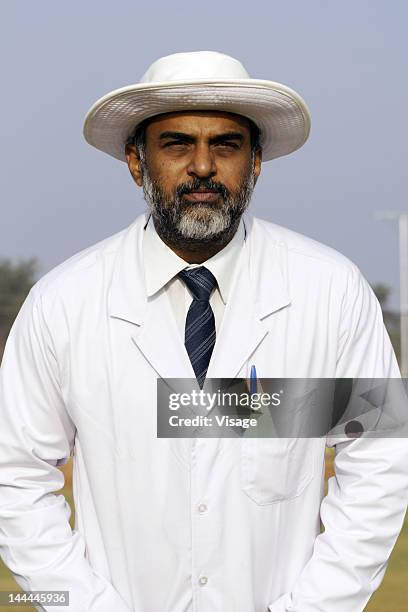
347,59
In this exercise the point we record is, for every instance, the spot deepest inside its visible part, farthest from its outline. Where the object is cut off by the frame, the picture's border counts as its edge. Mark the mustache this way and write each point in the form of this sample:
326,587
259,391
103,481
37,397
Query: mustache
197,184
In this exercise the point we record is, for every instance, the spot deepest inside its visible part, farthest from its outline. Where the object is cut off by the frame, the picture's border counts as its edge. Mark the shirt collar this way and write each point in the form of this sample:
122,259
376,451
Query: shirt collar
161,264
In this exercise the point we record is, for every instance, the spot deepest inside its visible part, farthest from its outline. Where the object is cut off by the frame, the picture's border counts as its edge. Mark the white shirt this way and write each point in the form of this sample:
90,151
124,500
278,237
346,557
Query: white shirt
192,525
162,265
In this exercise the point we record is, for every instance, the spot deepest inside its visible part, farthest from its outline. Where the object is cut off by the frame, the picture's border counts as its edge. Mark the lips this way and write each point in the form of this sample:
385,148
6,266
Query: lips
205,195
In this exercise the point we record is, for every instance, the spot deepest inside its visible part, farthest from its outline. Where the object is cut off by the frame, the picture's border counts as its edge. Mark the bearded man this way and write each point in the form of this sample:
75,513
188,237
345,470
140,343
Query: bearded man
195,288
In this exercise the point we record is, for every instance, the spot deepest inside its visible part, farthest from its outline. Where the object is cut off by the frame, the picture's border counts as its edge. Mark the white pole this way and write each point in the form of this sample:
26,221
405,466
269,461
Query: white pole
403,249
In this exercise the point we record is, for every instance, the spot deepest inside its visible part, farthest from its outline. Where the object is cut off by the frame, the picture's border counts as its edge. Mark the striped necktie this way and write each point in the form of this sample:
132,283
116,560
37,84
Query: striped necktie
199,336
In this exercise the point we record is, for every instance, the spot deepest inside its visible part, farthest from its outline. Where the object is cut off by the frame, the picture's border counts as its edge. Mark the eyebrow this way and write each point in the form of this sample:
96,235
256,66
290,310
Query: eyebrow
191,139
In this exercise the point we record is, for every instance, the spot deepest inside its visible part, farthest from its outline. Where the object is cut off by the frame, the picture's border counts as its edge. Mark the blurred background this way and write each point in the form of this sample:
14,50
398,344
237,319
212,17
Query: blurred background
58,195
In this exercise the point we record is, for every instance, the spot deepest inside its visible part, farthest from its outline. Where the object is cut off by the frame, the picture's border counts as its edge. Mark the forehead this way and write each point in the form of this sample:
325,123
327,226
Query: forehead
198,122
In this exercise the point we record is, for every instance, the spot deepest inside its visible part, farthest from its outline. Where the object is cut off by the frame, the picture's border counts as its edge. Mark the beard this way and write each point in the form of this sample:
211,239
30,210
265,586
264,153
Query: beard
191,225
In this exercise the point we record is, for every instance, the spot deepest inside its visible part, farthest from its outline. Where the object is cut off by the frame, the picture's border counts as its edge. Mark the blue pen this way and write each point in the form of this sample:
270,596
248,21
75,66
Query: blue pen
253,382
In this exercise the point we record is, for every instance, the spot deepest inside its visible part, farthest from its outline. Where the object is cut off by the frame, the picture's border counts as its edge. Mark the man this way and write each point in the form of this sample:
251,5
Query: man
199,289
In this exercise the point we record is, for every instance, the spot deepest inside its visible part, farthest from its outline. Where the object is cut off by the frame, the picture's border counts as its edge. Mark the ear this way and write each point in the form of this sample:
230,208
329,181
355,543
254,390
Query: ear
258,163
134,165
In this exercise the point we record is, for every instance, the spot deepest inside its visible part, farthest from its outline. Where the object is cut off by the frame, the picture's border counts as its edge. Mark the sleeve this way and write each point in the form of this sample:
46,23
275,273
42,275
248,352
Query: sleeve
36,435
364,509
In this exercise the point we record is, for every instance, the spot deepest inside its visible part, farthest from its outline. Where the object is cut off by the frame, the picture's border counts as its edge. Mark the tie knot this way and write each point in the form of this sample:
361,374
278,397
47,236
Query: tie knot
200,281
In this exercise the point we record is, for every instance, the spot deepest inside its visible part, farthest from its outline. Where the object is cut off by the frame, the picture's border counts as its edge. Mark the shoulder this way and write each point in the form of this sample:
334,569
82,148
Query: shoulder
308,266
85,270
301,249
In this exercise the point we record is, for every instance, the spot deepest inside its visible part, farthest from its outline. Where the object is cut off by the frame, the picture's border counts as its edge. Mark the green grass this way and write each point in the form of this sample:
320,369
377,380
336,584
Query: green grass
392,596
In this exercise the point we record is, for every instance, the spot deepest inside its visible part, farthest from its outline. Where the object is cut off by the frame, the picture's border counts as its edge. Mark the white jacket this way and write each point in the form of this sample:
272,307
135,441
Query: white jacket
192,525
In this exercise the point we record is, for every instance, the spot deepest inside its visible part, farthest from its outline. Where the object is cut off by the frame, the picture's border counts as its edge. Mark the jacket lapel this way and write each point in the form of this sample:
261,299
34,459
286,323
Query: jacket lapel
160,340
152,326
258,290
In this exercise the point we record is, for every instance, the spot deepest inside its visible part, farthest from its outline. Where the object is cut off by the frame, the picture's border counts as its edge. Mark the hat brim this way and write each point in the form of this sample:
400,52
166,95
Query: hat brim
280,113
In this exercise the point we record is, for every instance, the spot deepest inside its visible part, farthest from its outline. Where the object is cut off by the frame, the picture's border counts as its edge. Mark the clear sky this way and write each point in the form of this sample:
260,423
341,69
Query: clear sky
347,59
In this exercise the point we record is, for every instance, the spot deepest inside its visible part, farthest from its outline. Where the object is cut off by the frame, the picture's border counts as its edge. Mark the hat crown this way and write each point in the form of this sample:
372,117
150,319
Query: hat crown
194,65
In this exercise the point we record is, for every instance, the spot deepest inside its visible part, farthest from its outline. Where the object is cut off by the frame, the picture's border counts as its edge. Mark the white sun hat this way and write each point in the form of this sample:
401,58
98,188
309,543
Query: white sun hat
200,80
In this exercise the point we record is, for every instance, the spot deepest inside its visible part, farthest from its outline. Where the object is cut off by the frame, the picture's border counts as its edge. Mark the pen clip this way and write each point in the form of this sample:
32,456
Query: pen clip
253,384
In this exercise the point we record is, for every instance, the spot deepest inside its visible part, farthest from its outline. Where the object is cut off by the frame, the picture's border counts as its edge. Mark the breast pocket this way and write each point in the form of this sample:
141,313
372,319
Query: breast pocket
276,469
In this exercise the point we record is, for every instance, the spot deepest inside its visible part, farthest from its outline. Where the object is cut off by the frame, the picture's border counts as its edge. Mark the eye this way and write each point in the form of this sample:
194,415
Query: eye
176,144
227,145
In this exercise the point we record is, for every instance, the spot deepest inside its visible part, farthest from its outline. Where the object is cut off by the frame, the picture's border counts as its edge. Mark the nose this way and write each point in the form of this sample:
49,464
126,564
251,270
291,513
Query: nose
202,163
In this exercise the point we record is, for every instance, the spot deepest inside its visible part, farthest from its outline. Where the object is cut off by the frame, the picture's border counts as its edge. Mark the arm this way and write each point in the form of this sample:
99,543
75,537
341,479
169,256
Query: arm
37,434
364,509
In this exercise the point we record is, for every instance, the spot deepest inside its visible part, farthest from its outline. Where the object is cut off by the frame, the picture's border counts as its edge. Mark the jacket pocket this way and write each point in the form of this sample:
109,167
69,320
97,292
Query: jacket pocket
276,469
